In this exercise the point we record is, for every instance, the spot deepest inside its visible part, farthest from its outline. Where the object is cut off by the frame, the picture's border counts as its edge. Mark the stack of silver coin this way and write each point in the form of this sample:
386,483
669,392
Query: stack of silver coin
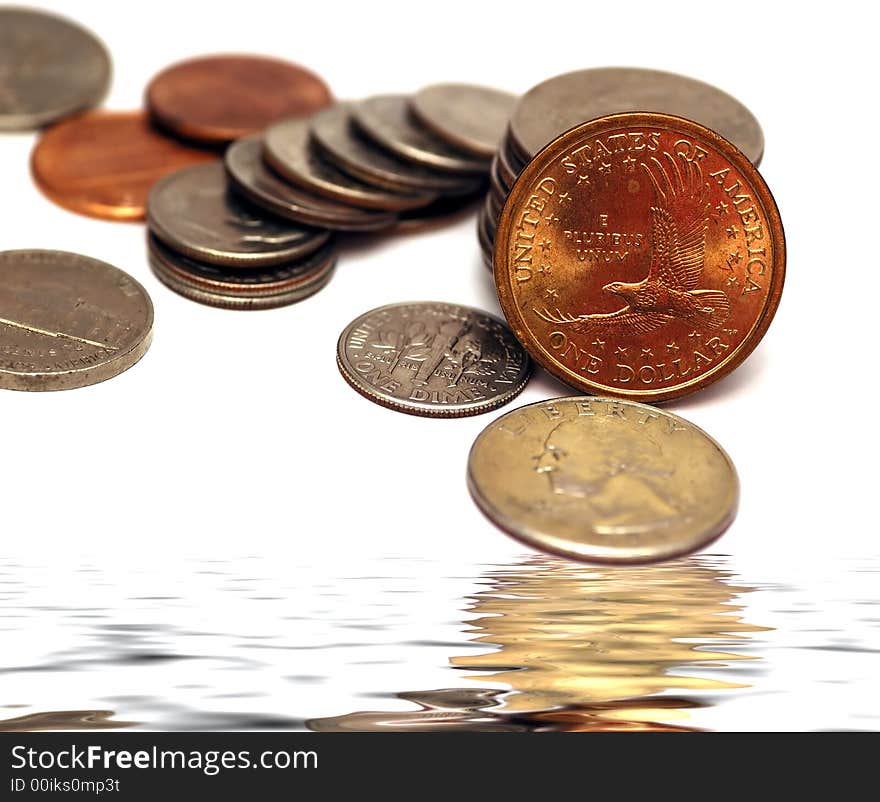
209,245
564,101
255,231
377,163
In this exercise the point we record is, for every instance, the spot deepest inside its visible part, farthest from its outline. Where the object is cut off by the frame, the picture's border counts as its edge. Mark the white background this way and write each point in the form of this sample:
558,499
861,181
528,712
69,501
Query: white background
236,435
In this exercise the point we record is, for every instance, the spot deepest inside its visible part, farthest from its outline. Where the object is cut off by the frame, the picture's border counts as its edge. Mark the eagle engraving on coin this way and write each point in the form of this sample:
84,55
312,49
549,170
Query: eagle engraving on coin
679,220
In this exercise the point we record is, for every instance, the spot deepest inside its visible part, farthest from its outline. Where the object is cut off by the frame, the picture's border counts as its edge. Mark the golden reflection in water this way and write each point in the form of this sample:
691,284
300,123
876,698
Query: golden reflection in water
64,720
586,648
573,636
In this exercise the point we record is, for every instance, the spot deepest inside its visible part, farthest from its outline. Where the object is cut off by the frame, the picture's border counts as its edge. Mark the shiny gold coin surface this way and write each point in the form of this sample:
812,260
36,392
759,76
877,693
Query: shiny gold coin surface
601,480
68,321
640,255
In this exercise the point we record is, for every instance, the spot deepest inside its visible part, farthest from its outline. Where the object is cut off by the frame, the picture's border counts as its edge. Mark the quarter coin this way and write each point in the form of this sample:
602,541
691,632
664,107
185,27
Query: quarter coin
640,256
603,481
288,150
68,321
432,359
554,106
104,164
216,99
469,117
251,177
195,212
387,120
339,142
50,68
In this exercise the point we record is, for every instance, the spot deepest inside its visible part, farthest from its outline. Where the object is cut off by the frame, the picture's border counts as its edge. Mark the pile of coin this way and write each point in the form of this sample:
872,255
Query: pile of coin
211,246
377,163
564,101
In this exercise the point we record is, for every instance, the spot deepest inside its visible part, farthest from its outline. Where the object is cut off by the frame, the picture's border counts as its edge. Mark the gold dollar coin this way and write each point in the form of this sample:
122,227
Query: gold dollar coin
602,480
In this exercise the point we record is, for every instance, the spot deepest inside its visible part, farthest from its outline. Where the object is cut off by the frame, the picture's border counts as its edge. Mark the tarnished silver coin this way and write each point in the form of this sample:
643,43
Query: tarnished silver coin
552,107
195,212
388,121
602,480
68,321
247,171
261,288
338,141
433,359
50,68
472,118
287,149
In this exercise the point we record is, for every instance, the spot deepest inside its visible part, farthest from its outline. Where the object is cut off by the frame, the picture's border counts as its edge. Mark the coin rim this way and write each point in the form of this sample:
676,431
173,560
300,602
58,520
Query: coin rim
527,535
91,374
357,193
737,159
366,220
398,405
452,161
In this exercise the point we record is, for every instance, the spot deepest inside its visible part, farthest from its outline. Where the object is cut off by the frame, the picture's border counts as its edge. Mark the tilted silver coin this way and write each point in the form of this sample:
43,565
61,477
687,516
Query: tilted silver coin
247,171
68,320
50,68
552,107
472,118
387,121
433,359
336,138
287,149
195,212
264,288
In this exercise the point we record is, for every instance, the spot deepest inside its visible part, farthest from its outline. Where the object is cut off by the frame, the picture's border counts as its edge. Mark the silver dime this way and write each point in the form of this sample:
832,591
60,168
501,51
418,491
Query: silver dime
68,321
49,68
433,359
288,150
251,177
472,118
552,107
337,139
387,120
264,288
195,212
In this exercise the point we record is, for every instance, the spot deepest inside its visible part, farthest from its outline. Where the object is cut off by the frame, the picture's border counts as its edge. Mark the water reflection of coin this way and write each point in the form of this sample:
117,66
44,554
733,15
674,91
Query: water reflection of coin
68,321
640,255
49,68
432,359
600,480
194,212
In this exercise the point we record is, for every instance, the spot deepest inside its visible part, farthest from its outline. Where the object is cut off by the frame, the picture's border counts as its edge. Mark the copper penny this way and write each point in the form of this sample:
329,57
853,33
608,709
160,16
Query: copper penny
219,98
104,164
640,255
